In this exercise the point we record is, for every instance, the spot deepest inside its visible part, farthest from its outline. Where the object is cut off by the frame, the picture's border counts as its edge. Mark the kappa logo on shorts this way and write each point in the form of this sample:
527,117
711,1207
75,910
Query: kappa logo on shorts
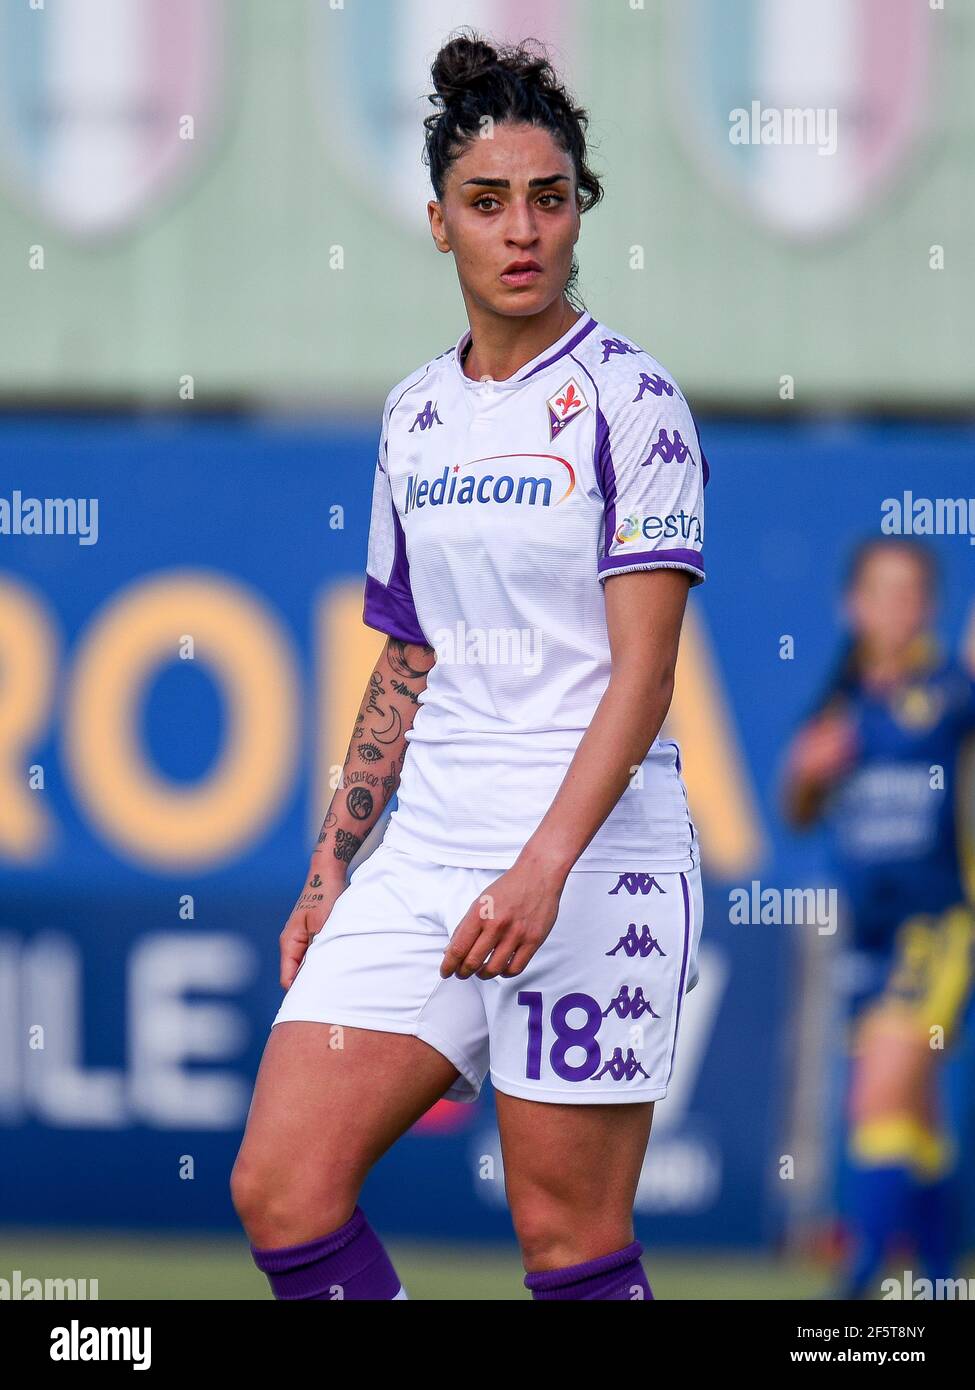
621,1068
636,883
637,944
626,1005
564,406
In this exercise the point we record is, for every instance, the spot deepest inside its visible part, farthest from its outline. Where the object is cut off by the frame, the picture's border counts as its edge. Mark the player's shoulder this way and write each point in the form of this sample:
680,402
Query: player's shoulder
616,362
424,377
623,370
955,679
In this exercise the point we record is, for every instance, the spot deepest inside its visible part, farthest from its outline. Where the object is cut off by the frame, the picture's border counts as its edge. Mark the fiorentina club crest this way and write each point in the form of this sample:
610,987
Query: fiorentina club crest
565,405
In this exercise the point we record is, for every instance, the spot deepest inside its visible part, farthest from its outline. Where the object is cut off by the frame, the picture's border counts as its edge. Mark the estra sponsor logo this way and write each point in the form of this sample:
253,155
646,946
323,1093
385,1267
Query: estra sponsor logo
686,525
486,484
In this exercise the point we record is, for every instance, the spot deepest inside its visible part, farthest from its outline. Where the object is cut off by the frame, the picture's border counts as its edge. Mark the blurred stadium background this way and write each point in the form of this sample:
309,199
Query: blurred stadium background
214,264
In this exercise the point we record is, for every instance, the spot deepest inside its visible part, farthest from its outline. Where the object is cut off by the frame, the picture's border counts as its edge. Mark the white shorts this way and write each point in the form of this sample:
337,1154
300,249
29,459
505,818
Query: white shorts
592,1019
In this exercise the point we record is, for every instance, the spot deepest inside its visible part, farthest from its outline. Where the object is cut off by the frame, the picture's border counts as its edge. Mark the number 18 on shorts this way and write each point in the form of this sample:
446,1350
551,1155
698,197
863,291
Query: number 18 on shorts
595,1016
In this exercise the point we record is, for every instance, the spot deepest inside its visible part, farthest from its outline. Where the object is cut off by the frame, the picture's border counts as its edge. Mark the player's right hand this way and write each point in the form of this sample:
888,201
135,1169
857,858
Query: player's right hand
824,749
308,916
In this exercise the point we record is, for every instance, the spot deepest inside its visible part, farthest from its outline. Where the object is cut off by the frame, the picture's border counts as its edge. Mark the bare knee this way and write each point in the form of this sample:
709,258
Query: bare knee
555,1230
280,1206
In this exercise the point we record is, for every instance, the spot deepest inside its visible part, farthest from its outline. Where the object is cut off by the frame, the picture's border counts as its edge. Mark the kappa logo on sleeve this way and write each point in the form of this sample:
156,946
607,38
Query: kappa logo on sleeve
565,405
669,446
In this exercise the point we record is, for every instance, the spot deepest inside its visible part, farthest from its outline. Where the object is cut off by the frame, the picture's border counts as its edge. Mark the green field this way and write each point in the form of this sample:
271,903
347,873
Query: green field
148,1266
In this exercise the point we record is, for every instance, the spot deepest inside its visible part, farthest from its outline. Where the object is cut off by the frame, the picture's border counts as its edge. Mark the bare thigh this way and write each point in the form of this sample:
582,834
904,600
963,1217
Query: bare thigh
327,1104
571,1174
893,1071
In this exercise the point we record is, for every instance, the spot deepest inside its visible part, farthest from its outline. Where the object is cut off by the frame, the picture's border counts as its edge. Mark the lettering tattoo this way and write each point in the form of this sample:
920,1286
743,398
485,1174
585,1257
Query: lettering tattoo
346,845
370,778
402,688
376,688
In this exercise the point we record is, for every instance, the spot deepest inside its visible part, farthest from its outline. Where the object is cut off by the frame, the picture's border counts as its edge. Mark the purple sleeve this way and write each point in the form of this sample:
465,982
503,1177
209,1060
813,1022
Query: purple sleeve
388,604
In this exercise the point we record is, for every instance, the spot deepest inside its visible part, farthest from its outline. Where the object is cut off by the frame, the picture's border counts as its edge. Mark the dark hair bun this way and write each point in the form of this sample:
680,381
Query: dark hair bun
460,65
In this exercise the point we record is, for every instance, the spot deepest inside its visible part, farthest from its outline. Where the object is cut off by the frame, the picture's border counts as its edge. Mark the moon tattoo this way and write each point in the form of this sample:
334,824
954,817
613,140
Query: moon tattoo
392,731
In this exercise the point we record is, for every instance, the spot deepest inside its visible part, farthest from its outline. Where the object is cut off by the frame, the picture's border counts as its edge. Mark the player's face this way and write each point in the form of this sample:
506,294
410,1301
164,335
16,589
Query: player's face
490,225
889,604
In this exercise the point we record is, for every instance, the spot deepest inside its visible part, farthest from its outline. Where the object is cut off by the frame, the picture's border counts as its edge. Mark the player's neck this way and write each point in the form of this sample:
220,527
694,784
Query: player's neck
883,669
502,344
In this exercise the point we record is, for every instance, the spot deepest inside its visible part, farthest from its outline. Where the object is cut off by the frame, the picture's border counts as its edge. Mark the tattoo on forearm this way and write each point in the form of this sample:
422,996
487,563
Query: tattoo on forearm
346,845
327,824
399,662
309,899
369,753
359,802
393,731
376,688
371,779
402,688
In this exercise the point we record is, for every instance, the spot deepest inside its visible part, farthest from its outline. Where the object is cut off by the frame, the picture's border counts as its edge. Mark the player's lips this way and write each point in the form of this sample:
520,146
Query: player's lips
521,273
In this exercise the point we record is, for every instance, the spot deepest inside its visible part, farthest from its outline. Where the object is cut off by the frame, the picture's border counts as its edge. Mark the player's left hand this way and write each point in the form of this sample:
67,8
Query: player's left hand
507,922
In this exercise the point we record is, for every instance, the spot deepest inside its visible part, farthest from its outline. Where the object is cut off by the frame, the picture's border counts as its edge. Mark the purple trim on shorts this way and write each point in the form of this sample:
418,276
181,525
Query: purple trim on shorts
692,558
683,969
573,343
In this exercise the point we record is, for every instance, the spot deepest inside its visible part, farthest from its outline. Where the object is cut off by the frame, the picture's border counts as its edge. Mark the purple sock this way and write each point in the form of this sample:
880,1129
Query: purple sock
617,1276
349,1263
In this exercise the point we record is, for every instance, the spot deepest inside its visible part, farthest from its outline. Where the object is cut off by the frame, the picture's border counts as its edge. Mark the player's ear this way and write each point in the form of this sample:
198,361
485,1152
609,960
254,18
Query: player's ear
437,227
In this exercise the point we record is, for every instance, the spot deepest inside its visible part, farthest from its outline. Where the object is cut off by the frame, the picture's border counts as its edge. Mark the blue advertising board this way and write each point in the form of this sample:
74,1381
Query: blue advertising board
177,672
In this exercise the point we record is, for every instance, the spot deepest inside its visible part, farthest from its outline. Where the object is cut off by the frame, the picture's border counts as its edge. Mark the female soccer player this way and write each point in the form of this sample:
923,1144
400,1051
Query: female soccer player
881,762
535,905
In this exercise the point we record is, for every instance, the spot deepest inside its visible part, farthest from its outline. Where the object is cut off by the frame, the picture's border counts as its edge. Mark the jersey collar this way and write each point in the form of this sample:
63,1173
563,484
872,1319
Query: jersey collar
546,358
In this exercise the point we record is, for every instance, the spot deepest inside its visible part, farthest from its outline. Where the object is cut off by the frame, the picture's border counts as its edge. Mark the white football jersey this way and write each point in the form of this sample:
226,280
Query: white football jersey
499,508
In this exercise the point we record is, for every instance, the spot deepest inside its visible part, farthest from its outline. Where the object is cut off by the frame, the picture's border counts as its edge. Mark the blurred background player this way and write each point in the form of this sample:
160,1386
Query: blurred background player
882,762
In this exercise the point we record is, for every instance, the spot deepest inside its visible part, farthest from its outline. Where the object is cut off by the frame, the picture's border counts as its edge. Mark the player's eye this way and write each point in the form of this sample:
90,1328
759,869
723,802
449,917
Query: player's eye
490,198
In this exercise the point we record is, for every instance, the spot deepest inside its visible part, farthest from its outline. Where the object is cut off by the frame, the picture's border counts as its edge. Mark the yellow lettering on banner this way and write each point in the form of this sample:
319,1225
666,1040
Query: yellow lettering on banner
28,666
167,824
